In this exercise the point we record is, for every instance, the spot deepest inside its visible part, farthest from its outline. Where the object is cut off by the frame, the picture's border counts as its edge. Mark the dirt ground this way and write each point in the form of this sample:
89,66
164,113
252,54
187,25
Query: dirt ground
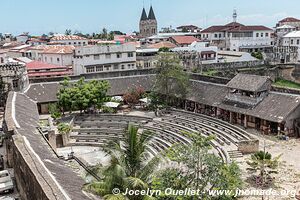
288,177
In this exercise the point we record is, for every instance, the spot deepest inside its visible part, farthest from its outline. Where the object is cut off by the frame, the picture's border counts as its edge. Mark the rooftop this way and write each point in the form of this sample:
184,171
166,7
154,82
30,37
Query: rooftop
55,49
289,19
293,34
248,82
67,37
185,39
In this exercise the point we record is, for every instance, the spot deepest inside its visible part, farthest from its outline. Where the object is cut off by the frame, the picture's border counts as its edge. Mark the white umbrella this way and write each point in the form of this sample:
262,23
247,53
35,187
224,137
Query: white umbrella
111,104
145,100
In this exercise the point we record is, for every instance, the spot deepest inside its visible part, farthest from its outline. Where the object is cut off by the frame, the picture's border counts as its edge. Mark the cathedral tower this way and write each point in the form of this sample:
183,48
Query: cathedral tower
148,24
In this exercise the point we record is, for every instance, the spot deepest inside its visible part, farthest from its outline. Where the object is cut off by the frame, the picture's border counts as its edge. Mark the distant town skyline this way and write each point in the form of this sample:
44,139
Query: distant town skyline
38,17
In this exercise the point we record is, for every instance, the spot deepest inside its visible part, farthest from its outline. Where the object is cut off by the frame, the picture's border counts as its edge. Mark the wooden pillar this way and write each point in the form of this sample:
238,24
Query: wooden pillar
230,117
245,121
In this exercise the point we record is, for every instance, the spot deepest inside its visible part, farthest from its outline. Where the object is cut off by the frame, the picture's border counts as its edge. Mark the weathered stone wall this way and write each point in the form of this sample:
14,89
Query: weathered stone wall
233,65
32,178
213,79
285,90
248,146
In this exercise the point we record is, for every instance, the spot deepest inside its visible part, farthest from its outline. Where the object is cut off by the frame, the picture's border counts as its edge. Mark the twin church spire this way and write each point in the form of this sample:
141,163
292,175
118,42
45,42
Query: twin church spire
151,15
148,23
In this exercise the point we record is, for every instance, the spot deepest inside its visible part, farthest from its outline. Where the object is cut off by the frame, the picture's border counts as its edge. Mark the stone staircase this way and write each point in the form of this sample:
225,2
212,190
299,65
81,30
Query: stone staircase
234,154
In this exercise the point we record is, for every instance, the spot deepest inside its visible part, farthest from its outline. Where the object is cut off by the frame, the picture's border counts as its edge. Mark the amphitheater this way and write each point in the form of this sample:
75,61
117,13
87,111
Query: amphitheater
98,129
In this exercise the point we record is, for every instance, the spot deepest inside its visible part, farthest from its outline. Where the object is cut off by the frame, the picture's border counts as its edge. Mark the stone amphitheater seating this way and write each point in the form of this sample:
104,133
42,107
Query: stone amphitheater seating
98,130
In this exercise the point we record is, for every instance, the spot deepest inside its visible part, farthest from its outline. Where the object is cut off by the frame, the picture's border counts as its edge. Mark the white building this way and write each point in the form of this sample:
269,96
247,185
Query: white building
95,59
22,38
291,21
54,54
238,37
69,40
292,39
204,53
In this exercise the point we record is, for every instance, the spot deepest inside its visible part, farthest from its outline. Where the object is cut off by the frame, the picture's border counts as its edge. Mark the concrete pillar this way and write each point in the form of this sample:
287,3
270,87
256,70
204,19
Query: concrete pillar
245,121
195,107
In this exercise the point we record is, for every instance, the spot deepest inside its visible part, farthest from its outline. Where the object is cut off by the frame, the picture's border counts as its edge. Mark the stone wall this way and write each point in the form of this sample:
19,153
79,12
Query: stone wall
285,90
232,65
248,146
32,178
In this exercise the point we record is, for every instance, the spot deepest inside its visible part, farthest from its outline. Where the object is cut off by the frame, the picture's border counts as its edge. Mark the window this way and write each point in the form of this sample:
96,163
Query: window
216,35
96,57
220,35
267,34
257,34
57,59
83,43
79,43
75,43
119,55
292,41
116,67
122,67
90,69
15,83
99,68
107,67
107,56
130,54
262,35
298,42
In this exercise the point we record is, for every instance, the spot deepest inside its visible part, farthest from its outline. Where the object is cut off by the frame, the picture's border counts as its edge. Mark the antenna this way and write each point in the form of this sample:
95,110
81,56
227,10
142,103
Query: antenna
234,16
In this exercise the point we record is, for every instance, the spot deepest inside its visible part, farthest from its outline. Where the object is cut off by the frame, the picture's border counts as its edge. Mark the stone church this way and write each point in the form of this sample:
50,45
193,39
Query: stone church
148,24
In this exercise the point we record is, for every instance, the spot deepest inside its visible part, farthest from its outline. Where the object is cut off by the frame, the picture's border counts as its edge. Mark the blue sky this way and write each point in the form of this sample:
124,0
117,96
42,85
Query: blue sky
42,16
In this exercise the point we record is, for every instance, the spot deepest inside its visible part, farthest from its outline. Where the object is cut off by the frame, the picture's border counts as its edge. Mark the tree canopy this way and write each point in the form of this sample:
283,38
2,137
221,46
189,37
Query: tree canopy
82,95
171,79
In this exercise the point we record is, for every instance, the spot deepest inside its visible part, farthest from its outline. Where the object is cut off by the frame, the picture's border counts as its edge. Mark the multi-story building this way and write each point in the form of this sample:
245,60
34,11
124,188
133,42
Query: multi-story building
188,28
69,40
291,21
282,31
148,24
238,37
54,54
37,69
292,39
13,77
196,54
96,59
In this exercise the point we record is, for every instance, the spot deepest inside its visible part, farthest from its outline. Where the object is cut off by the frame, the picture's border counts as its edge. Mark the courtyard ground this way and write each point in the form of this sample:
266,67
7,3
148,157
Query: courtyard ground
288,177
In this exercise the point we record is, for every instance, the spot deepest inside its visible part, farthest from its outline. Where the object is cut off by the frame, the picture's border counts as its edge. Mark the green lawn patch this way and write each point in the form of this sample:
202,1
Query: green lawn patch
286,83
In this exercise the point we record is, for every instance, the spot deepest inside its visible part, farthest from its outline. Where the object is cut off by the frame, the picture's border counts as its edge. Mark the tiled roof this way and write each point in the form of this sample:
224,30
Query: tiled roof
248,82
275,106
289,19
41,65
234,26
67,37
185,39
250,28
162,44
55,49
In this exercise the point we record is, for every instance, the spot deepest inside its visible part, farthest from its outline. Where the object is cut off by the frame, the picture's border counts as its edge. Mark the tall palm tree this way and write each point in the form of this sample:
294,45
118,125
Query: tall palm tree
129,167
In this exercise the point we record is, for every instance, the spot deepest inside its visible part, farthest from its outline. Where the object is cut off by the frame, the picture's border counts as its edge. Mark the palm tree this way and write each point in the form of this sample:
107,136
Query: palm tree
263,162
129,167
